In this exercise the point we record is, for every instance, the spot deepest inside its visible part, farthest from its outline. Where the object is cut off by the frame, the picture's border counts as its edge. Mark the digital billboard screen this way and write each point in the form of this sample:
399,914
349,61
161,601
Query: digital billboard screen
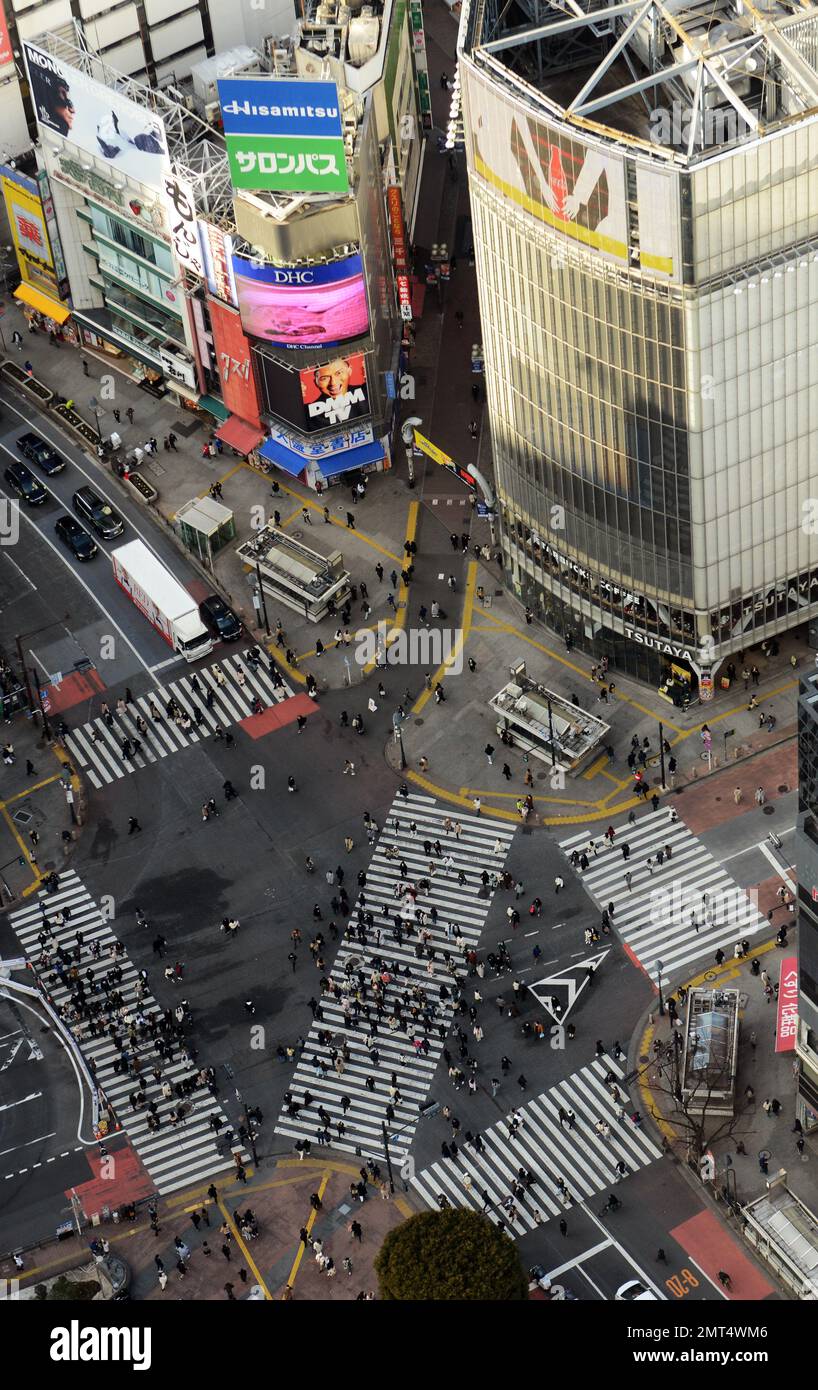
102,122
307,306
334,392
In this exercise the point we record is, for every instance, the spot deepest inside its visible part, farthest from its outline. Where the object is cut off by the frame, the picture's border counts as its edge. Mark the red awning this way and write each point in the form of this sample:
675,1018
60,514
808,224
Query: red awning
418,297
239,435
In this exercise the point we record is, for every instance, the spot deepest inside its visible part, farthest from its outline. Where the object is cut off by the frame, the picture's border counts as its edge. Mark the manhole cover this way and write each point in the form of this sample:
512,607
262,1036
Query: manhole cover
783,788
769,810
22,817
418,722
717,798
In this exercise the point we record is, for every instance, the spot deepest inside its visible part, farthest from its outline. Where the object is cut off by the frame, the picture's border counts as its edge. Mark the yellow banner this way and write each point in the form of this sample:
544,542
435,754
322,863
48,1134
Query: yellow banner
28,231
427,447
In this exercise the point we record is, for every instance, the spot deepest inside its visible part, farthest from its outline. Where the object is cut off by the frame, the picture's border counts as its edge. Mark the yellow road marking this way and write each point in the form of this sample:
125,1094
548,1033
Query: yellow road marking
443,669
241,1242
596,767
310,1223
319,507
399,621
517,796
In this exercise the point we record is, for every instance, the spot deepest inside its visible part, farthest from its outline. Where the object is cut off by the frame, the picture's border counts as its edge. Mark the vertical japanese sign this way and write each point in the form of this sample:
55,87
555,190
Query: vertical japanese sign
787,1021
53,233
184,229
400,254
232,349
421,62
218,255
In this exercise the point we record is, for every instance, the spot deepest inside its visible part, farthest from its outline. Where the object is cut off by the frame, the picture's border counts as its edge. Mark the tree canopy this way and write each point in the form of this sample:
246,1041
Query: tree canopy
450,1255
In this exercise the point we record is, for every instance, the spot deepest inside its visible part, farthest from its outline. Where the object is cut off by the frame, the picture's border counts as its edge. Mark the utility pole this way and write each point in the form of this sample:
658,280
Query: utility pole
662,753
385,1137
261,599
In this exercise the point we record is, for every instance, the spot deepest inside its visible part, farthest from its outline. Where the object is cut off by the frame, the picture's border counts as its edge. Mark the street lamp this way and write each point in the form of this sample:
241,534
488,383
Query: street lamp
407,434
259,599
659,968
662,753
251,1138
94,404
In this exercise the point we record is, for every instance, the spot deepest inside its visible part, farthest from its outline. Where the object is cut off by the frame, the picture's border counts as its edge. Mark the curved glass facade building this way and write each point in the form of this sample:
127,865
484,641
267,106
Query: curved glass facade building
644,187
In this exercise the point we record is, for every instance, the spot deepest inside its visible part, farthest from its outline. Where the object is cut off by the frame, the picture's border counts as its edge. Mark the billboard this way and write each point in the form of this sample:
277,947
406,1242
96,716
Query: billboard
217,250
284,135
334,392
6,53
305,306
184,230
130,139
326,445
232,352
27,221
572,186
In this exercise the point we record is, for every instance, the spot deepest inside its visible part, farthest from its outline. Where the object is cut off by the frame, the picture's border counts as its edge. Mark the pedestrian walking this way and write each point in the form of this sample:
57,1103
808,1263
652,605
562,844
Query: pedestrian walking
563,1227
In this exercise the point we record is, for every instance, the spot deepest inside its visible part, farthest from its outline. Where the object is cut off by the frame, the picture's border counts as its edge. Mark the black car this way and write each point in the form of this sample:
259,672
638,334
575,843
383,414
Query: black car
219,619
22,481
81,545
98,513
32,447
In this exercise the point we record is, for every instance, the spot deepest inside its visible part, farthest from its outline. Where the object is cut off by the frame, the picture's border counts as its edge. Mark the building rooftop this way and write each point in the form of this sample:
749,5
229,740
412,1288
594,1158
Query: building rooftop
684,79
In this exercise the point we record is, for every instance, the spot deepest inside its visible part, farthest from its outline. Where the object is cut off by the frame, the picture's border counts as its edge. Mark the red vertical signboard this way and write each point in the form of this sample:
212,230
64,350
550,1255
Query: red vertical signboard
232,348
787,1021
400,254
6,54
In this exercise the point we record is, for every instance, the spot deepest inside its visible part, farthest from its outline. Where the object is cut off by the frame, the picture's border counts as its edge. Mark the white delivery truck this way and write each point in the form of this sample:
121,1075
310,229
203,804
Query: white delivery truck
162,599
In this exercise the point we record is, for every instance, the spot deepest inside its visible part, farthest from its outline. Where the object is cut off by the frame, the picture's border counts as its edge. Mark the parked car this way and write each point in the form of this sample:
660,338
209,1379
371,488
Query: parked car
219,619
32,447
22,481
79,542
99,514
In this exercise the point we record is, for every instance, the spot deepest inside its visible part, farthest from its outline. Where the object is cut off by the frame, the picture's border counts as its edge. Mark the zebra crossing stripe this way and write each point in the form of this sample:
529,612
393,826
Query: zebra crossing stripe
581,1156
460,909
174,1156
97,750
678,911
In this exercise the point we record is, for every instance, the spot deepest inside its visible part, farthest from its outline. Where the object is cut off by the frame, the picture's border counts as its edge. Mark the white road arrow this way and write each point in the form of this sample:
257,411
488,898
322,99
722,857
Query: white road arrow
544,990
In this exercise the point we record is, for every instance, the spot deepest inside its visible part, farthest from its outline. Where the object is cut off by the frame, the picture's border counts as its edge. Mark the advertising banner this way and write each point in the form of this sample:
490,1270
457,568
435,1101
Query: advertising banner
102,122
335,392
787,1020
304,306
27,222
53,232
659,241
233,357
575,188
327,444
184,229
284,135
286,164
217,249
6,53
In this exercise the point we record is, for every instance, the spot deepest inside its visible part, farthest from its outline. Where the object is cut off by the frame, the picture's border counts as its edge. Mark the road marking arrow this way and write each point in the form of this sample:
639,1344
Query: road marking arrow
543,990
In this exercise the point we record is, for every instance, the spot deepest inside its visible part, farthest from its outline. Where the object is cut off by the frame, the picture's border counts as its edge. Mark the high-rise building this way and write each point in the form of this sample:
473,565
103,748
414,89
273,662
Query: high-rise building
806,859
644,186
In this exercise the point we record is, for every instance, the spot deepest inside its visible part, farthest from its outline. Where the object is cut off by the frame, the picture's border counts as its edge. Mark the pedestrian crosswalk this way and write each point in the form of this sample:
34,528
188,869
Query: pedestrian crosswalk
175,1156
581,1150
97,748
675,911
356,1098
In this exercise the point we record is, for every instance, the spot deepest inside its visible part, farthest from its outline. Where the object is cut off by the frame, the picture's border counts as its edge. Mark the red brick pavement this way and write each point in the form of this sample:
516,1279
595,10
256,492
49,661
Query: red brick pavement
709,802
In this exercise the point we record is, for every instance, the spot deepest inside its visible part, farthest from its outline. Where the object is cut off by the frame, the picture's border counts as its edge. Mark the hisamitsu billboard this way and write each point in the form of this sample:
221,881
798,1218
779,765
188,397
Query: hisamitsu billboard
279,106
284,135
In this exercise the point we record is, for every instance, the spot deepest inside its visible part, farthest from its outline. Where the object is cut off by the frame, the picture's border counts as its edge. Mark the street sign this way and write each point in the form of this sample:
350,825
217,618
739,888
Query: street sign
484,510
427,447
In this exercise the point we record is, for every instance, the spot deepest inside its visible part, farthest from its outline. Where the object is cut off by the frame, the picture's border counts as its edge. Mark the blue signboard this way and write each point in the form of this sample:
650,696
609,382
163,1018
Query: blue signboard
279,106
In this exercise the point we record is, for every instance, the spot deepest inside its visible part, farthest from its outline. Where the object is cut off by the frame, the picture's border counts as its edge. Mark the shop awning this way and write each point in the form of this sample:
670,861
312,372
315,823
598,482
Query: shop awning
351,458
239,435
214,407
51,308
283,457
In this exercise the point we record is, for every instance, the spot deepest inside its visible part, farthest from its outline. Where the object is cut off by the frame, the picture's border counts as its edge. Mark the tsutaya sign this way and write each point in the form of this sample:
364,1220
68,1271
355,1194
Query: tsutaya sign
660,644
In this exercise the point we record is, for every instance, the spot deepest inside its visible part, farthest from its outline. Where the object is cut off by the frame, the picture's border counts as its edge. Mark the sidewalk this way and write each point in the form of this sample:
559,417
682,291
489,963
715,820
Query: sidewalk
279,1196
770,1074
34,803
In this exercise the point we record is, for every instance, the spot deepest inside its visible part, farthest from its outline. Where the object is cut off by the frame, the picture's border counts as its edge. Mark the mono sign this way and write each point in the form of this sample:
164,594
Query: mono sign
659,644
